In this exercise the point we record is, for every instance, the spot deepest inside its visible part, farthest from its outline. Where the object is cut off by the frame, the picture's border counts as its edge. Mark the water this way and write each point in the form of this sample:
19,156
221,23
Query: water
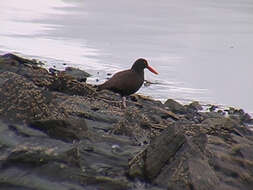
201,49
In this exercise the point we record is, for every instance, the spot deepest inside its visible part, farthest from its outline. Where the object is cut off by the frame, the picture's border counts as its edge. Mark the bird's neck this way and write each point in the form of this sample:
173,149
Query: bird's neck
138,71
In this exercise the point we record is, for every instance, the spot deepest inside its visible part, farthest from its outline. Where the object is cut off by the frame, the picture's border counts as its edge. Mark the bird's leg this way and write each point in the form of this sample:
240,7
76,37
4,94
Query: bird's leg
124,101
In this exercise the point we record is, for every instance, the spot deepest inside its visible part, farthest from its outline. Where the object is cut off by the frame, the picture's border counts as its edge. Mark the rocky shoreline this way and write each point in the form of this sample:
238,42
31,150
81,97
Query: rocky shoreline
58,132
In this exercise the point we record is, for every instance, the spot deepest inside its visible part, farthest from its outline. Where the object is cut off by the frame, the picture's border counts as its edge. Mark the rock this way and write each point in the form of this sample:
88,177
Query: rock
66,130
190,170
28,69
21,100
165,113
212,108
78,74
195,106
12,58
231,110
175,106
66,84
240,115
198,162
150,165
59,133
38,157
53,71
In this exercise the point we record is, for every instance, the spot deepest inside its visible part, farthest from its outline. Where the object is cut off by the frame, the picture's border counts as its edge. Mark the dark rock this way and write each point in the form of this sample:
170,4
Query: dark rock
149,165
53,71
77,74
231,110
221,112
28,69
239,115
21,100
39,157
175,106
66,84
189,170
198,163
195,106
165,114
212,108
66,130
12,57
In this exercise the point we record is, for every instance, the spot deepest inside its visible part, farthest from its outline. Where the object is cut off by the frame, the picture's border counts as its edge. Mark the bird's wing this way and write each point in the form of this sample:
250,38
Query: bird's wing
121,80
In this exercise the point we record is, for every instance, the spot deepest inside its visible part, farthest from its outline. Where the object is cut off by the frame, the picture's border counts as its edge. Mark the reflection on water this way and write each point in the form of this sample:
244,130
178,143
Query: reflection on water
202,49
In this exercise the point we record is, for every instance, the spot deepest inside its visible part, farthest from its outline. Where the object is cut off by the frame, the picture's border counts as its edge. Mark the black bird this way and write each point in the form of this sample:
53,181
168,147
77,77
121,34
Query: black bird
128,81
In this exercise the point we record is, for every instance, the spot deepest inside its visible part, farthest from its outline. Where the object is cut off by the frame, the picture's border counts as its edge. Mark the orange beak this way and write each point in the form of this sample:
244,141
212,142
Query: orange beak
152,70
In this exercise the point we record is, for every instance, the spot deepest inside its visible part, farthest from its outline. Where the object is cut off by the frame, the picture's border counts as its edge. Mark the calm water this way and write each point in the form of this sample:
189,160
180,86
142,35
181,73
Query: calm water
203,49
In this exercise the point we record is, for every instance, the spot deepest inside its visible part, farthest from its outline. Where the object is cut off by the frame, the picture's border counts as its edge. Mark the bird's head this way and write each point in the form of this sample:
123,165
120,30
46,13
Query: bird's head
140,64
